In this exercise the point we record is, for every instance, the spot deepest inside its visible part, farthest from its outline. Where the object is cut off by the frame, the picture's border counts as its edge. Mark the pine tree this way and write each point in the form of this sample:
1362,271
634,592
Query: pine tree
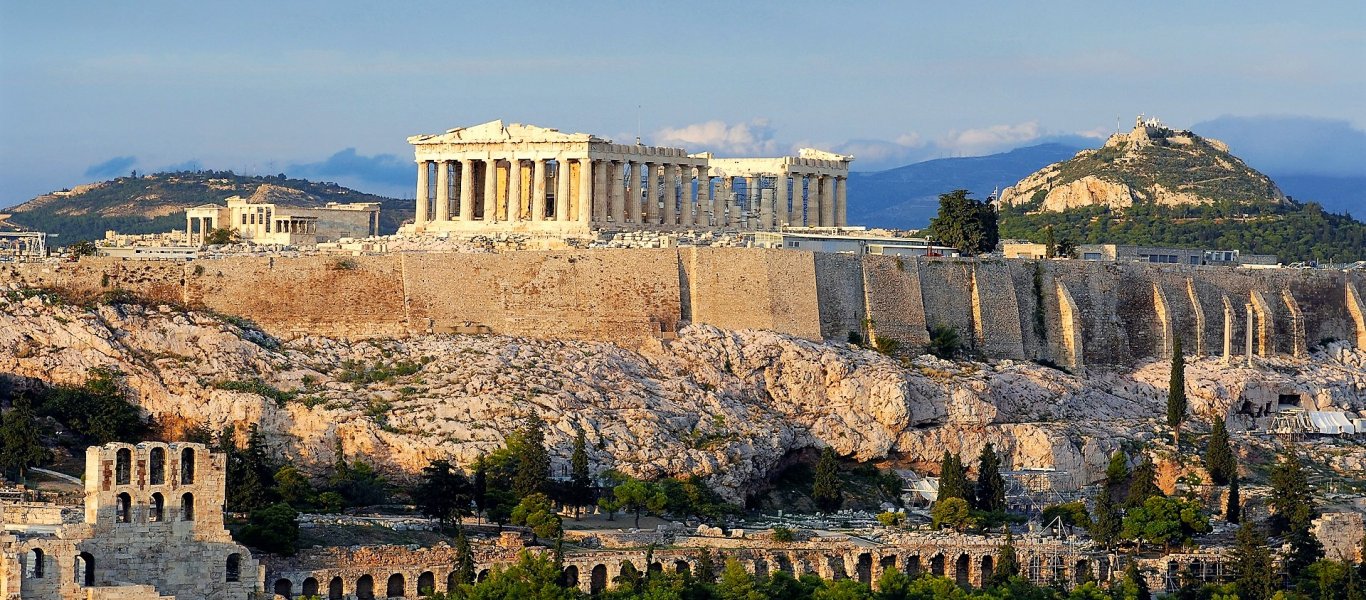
1142,484
706,567
1176,392
1108,520
1252,564
531,471
1291,501
991,487
1233,508
1117,472
953,481
580,482
1133,586
464,558
443,493
20,447
826,490
1219,458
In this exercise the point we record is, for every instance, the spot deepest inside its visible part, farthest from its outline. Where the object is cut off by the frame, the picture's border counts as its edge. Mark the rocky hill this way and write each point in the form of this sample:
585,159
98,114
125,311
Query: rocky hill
1153,164
156,202
728,405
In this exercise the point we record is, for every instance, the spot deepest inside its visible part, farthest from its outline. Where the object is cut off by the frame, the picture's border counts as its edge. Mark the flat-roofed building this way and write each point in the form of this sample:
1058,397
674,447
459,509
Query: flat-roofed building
268,223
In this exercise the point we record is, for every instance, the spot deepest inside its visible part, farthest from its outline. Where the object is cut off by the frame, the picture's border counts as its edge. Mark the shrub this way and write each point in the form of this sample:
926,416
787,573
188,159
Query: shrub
258,387
783,534
891,519
944,342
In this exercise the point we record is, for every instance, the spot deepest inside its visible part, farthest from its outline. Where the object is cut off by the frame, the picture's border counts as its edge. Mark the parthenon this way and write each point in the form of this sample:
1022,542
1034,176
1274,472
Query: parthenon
523,178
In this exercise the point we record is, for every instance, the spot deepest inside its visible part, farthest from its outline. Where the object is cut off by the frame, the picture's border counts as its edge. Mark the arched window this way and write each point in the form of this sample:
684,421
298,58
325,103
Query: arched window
365,588
85,569
187,465
156,467
426,583
283,587
187,507
334,589
34,568
233,572
395,587
123,466
123,508
310,588
156,509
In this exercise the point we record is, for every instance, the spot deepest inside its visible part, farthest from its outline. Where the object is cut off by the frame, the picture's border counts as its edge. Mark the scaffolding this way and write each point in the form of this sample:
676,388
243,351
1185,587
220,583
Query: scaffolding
1030,490
23,245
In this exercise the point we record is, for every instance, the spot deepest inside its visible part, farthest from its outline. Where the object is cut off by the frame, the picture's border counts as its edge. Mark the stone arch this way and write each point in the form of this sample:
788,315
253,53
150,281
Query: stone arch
187,466
569,578
334,589
123,466
760,568
395,587
156,508
123,508
985,566
232,569
656,567
365,588
84,570
783,563
156,466
1197,569
887,562
1173,576
597,581
1080,570
452,580
483,575
310,588
912,565
960,569
187,507
1103,564
682,567
283,587
34,568
426,583
937,565
864,568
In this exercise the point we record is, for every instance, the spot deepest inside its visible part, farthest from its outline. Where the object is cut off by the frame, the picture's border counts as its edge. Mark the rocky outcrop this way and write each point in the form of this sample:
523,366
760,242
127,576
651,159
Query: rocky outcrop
728,405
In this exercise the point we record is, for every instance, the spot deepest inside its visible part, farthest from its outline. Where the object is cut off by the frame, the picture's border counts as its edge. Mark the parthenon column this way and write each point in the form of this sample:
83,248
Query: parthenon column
797,217
632,191
423,189
514,189
705,200
687,215
671,176
616,181
443,191
652,193
490,190
780,201
466,190
728,198
586,201
825,215
561,188
538,190
842,202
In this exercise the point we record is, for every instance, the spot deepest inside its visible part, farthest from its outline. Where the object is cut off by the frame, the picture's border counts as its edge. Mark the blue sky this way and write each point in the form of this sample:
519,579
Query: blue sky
331,89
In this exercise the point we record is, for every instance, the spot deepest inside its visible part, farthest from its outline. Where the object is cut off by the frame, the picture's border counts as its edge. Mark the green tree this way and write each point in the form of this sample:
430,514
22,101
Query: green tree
1253,565
358,482
1050,243
442,493
82,248
1142,484
693,497
98,411
953,478
294,488
580,480
953,513
945,342
1176,392
1233,506
20,446
1117,471
1108,523
273,529
706,567
640,497
1219,458
737,584
1072,514
1007,562
1292,502
536,513
991,486
1164,521
1132,586
533,577
220,236
965,223
531,460
250,472
464,558
827,490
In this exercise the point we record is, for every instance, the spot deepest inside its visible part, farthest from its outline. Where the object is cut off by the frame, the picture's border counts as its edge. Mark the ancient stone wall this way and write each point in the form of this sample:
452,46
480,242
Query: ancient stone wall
894,303
753,289
841,295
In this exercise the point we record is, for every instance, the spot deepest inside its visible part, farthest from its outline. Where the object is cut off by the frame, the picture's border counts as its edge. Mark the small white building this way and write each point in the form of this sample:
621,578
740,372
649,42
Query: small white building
846,241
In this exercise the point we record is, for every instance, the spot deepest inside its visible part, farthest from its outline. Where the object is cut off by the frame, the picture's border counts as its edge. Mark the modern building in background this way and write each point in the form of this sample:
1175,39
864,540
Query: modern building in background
850,242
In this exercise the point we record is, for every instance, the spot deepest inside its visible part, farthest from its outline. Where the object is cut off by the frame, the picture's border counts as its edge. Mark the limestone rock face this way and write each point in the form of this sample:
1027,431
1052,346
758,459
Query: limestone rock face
726,405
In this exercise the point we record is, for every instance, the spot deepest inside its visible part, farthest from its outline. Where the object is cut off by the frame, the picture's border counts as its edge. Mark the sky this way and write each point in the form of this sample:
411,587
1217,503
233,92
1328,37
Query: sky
331,90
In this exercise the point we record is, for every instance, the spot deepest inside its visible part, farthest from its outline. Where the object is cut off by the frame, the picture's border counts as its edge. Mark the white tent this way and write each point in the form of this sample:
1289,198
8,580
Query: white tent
1332,423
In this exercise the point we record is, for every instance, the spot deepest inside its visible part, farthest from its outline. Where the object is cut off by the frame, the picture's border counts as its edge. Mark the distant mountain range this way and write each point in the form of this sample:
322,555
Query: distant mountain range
908,197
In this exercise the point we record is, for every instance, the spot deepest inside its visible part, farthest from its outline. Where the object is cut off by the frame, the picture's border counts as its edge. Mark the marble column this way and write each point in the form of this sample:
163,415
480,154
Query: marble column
538,190
466,190
632,191
423,194
616,182
828,200
841,201
602,198
561,189
780,210
514,189
673,175
652,193
585,208
798,200
687,215
490,190
443,191
816,191
706,202
728,199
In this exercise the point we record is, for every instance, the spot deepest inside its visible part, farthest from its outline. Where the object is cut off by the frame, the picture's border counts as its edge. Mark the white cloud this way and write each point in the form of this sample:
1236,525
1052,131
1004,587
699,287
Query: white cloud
986,140
754,138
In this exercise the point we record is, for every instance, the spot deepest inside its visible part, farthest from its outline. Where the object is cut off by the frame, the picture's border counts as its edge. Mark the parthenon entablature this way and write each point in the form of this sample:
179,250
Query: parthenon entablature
498,177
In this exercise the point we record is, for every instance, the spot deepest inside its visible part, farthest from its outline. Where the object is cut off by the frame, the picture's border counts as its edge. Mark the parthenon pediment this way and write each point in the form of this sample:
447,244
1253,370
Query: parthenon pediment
497,132
823,155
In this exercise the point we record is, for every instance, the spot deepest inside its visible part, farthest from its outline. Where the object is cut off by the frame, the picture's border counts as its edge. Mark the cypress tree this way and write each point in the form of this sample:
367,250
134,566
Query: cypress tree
1108,520
1233,508
953,481
1176,392
1254,574
580,482
1007,562
1219,458
1142,484
1134,586
1291,500
531,472
464,558
991,487
827,490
